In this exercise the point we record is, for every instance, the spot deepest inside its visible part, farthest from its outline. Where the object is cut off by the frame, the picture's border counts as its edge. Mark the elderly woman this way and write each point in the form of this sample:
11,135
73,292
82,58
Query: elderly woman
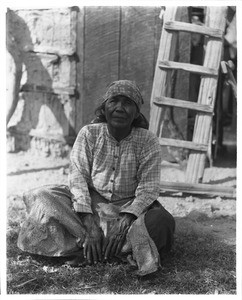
110,208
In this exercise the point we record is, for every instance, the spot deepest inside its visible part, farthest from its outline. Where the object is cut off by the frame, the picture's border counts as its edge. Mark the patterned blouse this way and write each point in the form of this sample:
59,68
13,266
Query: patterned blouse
118,171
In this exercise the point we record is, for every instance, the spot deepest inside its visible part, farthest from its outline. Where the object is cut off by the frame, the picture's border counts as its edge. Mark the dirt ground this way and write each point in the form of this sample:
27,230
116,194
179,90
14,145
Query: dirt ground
26,170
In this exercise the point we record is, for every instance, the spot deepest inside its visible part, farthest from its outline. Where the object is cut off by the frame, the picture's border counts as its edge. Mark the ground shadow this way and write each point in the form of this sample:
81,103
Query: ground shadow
199,263
204,260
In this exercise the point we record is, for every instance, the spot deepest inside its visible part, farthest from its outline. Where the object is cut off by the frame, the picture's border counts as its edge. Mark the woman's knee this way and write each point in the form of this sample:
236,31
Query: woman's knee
160,225
38,198
159,217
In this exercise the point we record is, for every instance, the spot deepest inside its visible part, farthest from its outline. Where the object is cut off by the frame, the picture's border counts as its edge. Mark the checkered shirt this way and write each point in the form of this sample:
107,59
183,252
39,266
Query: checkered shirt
125,170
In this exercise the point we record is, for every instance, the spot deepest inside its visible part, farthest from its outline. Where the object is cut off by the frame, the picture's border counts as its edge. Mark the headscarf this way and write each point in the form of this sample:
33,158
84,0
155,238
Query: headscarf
125,88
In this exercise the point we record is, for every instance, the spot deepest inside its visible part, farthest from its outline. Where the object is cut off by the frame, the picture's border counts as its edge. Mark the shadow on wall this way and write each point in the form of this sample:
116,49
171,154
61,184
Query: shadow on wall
34,107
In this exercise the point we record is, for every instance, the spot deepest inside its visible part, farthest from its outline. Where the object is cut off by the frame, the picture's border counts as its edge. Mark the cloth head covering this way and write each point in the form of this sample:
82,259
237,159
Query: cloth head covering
125,88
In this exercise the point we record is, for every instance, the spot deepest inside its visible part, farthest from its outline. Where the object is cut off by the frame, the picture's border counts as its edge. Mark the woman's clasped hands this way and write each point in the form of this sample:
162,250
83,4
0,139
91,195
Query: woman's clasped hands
96,247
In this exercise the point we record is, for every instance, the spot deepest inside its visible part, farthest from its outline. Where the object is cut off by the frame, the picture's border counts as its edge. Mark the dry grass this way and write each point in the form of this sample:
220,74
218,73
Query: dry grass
198,264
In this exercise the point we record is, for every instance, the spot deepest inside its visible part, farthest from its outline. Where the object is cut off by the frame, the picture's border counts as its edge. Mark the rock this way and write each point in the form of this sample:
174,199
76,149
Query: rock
214,208
190,199
62,171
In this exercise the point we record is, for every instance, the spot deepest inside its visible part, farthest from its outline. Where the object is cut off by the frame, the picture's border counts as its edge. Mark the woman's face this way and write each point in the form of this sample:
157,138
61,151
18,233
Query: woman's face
120,112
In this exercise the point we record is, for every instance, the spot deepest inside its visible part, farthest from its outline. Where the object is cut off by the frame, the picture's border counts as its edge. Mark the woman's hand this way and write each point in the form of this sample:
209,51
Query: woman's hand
92,246
114,241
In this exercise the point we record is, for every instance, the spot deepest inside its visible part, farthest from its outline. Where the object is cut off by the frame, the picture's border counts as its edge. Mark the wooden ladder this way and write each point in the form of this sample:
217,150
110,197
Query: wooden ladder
213,29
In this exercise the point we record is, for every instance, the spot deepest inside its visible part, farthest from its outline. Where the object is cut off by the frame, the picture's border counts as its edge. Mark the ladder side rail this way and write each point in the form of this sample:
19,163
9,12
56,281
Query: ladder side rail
216,17
161,82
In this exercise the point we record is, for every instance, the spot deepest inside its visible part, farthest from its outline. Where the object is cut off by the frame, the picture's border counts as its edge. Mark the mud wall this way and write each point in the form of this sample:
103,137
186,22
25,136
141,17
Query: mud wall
45,115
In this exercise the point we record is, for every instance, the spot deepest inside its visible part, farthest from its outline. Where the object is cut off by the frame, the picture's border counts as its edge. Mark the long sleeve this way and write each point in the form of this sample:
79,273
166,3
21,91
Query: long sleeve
148,176
80,171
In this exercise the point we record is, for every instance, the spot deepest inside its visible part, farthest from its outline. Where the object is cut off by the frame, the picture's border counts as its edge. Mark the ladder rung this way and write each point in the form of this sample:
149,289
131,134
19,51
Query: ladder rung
193,28
198,188
188,67
183,104
183,144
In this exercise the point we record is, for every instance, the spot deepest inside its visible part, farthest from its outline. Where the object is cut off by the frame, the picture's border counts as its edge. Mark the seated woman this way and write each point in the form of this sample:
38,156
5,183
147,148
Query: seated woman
110,208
